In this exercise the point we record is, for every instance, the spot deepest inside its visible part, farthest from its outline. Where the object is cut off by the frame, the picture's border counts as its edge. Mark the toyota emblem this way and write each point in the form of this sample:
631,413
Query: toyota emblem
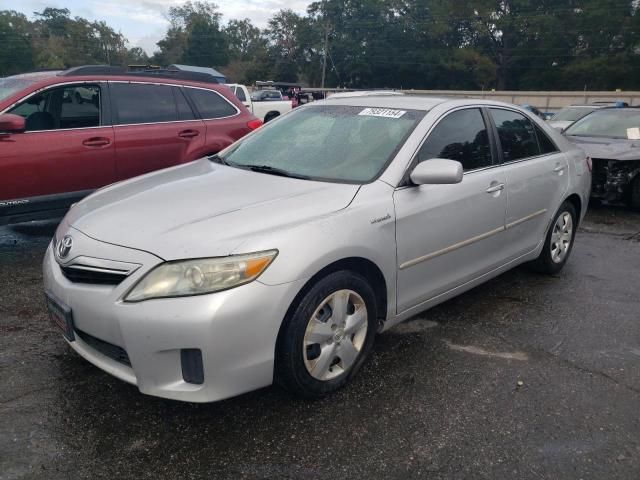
64,246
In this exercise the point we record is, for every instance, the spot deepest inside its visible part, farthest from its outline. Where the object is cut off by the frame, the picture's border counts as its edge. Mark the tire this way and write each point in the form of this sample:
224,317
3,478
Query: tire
560,236
270,116
634,194
310,368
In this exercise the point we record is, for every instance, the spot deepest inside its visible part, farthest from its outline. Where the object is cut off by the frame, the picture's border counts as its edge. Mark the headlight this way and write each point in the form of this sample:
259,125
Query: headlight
202,275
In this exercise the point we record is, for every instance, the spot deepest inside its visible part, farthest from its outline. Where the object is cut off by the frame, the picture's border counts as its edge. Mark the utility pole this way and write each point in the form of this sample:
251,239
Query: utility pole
324,54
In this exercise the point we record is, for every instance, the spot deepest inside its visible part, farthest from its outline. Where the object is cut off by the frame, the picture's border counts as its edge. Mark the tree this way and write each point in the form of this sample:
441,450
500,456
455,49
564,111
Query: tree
16,54
206,45
243,39
194,36
282,34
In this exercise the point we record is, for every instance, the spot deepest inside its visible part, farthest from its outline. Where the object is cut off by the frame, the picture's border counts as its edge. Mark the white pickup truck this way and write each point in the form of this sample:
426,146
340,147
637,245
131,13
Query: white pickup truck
264,104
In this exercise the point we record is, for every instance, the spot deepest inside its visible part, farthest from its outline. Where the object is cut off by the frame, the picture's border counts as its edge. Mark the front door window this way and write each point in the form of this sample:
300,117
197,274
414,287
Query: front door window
59,108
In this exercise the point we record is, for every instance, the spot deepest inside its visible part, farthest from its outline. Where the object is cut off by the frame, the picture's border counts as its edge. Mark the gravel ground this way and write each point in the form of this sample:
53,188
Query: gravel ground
525,377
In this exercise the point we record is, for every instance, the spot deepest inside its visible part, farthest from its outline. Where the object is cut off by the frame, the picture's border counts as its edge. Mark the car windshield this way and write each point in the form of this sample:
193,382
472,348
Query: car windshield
614,123
9,86
572,114
327,143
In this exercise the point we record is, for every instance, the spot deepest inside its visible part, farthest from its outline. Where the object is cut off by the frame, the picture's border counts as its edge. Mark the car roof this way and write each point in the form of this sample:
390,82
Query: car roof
45,79
42,75
52,77
410,102
616,109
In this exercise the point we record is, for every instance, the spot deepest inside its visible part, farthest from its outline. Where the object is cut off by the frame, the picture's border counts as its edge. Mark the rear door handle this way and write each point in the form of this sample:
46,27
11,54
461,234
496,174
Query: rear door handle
559,168
188,133
96,142
495,188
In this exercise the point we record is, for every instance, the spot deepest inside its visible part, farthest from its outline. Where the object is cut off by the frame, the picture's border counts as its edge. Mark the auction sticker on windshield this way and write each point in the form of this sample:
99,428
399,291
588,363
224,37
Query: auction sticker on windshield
382,112
633,133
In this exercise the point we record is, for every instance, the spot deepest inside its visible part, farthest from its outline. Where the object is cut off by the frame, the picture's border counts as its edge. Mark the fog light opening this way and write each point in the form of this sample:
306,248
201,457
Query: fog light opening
192,370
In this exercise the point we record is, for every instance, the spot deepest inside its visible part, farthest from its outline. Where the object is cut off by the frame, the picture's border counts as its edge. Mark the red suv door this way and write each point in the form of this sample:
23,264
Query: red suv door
66,150
154,127
224,121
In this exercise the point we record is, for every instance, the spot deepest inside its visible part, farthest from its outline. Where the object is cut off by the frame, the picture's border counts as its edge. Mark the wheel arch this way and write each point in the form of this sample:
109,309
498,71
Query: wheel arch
360,265
575,200
270,115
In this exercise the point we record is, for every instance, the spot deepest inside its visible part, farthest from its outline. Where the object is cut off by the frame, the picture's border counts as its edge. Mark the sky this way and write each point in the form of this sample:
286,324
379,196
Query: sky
142,22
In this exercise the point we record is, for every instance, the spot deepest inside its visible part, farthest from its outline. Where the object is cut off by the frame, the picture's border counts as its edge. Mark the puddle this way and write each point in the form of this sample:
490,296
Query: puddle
521,356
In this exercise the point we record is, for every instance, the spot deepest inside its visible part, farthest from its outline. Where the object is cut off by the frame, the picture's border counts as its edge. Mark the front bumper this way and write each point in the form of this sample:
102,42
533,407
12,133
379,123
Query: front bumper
235,330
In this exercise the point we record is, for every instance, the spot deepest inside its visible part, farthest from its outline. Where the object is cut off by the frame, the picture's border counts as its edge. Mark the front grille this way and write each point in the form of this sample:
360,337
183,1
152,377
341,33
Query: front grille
110,350
98,276
599,175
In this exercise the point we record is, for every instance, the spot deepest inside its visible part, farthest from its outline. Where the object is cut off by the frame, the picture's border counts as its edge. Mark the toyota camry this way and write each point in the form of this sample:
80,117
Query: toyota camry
280,259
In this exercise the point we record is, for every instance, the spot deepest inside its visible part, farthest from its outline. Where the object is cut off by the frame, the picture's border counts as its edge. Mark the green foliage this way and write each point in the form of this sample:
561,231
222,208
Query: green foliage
55,40
16,53
194,37
428,44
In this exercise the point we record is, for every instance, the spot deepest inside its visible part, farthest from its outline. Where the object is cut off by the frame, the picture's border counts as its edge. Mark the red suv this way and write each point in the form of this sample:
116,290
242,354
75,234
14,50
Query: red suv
65,133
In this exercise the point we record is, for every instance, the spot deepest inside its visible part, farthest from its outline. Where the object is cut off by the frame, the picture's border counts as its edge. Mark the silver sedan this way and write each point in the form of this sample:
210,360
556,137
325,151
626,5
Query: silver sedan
281,258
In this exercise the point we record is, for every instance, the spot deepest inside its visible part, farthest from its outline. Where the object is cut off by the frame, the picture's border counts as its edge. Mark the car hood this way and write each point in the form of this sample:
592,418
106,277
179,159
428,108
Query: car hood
202,209
608,148
559,124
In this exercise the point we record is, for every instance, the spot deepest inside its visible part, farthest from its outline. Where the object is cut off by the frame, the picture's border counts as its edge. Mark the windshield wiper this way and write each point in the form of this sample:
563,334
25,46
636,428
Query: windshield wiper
275,171
218,159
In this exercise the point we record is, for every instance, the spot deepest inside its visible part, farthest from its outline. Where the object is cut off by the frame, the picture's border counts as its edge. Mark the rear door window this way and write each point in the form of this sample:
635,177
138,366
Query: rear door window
143,103
210,104
517,135
461,136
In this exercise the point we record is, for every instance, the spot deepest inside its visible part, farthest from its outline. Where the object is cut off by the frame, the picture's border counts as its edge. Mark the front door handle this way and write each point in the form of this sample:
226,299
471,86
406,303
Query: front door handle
188,133
96,142
495,188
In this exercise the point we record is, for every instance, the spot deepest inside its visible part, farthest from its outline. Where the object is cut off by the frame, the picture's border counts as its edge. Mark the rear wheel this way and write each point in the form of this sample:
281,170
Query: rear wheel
559,241
327,336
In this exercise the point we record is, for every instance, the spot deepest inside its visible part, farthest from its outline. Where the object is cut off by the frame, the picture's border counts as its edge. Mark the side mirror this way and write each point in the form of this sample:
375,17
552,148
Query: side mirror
10,123
437,171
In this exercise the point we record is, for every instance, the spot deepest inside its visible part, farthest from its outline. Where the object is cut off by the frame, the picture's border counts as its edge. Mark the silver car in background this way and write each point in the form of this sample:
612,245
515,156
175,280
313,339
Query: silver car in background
611,139
568,115
282,257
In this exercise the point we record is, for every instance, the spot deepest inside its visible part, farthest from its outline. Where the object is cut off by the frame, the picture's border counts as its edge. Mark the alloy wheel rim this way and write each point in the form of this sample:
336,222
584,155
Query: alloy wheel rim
335,335
561,237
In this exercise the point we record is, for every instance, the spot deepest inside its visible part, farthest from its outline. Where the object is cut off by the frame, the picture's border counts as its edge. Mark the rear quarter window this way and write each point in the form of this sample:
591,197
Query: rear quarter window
546,144
210,104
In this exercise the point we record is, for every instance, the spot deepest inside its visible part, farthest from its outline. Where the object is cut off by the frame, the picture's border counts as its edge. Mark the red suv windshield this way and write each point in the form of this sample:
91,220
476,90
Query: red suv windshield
9,86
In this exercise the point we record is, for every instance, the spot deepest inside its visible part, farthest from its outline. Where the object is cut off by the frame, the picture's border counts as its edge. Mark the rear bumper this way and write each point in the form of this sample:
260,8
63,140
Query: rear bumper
235,330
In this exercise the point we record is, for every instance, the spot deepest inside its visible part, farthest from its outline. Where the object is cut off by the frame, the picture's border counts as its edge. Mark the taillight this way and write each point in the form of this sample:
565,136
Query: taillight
255,123
589,164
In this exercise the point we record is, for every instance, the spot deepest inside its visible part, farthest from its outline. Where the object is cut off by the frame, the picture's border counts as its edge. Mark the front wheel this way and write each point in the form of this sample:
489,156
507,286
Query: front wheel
559,241
327,335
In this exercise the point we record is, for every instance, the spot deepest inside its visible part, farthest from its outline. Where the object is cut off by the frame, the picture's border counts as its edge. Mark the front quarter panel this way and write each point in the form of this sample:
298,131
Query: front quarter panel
364,229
